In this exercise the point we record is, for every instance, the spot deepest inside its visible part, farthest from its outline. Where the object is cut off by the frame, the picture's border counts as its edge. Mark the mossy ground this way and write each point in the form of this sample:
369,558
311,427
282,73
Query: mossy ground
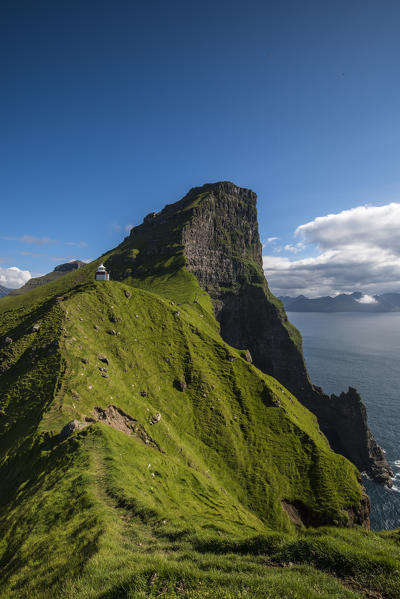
103,515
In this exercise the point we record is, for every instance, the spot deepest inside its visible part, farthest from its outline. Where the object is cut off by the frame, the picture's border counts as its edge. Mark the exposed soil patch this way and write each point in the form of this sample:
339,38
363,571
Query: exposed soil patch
121,421
116,418
294,512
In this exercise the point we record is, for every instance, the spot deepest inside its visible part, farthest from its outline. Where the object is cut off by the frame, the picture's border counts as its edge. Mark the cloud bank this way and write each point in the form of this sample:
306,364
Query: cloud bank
13,277
359,250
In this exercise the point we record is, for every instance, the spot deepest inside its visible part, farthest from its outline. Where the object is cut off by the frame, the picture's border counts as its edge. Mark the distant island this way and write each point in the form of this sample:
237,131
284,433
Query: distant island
345,302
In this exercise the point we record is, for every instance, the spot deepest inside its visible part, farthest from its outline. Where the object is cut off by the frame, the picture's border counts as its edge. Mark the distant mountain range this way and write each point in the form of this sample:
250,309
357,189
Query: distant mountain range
353,302
4,291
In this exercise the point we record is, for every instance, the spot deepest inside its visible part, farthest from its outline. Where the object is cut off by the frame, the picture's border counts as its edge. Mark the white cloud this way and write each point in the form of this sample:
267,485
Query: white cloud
271,239
294,249
13,277
128,227
62,259
81,244
31,239
365,225
367,299
359,250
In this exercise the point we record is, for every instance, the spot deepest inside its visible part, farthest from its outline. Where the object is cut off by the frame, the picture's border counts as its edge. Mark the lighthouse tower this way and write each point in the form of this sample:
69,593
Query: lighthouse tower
102,274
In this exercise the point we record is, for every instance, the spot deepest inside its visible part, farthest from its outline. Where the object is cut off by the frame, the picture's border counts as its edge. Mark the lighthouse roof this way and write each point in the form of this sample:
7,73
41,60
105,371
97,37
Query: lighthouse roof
101,268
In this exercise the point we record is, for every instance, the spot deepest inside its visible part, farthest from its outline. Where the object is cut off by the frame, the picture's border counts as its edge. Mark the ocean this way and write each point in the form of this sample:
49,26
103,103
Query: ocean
362,351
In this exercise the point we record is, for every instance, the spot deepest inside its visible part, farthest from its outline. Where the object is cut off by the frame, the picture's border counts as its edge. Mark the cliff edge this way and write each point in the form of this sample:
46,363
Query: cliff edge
215,228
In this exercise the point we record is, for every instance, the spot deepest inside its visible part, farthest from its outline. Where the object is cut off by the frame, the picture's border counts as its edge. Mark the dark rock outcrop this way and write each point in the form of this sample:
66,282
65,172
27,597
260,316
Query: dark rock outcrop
69,266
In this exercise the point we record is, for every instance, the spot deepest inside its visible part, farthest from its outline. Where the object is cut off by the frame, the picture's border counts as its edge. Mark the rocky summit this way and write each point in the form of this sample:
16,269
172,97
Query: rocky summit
160,436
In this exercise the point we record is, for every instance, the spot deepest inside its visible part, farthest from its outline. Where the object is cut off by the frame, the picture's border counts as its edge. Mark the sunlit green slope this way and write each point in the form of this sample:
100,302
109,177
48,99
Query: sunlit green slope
211,491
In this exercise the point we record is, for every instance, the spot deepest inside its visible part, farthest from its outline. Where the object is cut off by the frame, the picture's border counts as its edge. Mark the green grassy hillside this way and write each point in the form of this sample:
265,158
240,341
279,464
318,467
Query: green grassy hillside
211,486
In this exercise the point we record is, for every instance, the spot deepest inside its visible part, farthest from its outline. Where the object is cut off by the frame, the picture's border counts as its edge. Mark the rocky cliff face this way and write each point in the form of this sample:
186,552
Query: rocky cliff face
223,250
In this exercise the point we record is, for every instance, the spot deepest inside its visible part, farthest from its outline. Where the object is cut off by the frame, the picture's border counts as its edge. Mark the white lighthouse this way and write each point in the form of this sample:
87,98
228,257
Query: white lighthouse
102,274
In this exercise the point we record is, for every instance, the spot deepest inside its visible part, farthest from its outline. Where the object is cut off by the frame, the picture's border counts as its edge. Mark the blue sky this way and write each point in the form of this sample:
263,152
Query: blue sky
110,110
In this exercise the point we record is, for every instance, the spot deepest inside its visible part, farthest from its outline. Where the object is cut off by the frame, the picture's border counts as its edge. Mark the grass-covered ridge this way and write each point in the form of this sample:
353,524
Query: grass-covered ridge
196,513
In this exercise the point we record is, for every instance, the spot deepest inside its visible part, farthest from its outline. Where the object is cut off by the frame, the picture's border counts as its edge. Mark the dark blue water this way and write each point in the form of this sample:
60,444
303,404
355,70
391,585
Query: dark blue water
362,351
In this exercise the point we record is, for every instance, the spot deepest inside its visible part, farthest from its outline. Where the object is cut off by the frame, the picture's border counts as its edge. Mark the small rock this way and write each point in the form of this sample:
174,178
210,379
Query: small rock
153,578
180,385
111,332
8,340
74,425
96,328
104,375
232,358
143,393
80,318
90,387
247,357
85,360
102,358
168,361
36,328
180,586
156,418
128,294
103,369
136,315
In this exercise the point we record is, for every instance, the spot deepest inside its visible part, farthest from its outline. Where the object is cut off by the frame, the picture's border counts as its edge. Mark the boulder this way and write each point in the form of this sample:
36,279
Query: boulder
156,418
71,427
180,384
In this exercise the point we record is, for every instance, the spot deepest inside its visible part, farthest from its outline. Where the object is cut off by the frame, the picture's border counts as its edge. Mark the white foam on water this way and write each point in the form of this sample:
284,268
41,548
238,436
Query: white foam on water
397,463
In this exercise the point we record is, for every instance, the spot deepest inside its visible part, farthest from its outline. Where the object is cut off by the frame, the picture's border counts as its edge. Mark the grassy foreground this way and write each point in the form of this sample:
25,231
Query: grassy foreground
192,502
